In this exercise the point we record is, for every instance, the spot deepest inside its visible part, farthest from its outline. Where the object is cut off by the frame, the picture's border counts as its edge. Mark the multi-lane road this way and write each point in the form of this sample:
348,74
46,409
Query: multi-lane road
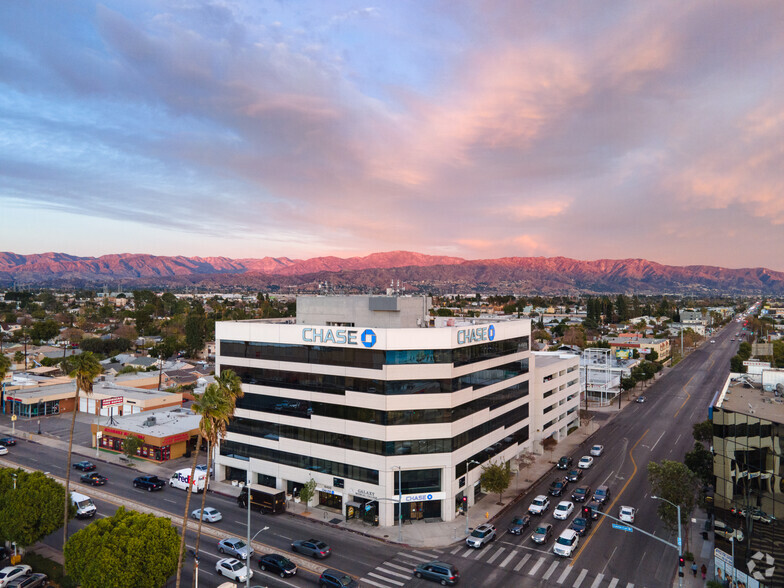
658,429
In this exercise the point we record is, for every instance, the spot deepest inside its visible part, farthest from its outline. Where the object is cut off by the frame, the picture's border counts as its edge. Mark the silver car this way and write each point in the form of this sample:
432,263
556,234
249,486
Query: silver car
235,546
211,515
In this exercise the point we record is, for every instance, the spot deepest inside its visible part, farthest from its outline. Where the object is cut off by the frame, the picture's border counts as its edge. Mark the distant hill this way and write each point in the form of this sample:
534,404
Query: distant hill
415,271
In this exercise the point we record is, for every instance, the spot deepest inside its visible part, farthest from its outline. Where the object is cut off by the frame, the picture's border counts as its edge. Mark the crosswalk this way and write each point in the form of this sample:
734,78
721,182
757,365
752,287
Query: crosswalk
398,570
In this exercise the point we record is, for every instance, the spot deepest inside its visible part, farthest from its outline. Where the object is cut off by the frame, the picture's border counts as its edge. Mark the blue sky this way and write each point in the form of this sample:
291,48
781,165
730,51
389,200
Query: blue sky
473,129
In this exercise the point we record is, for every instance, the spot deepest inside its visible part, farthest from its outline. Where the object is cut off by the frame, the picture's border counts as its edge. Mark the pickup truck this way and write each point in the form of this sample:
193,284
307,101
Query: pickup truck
149,483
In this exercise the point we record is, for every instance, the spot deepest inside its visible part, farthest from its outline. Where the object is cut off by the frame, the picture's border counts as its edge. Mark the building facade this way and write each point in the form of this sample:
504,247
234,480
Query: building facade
380,418
555,404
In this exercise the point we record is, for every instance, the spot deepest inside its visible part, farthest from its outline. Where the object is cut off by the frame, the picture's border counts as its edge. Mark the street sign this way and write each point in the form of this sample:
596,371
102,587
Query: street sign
626,528
679,541
13,417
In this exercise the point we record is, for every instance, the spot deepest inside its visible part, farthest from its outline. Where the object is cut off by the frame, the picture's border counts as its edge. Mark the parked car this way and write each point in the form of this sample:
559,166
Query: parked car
602,494
519,523
539,505
564,510
277,564
31,581
597,450
585,462
581,493
564,463
10,573
481,536
542,533
581,524
8,441
557,487
312,547
211,515
640,399
233,569
566,543
626,514
94,479
594,507
574,475
3,450
149,483
85,466
235,547
444,573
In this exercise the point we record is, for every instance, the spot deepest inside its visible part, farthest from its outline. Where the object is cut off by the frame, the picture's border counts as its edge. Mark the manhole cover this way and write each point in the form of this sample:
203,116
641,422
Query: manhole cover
335,521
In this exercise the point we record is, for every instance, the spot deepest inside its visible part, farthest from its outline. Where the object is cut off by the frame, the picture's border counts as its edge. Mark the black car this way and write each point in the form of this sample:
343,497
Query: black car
149,483
581,493
602,494
8,441
85,466
574,475
277,564
564,463
595,507
557,487
94,479
581,524
519,523
336,579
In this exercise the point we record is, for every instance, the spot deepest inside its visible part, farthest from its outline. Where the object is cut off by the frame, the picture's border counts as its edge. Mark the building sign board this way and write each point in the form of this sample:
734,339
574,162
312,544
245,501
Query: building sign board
424,497
475,334
113,401
339,336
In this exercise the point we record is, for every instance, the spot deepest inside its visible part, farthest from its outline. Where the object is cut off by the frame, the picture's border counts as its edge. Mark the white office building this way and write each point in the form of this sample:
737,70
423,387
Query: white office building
555,397
379,411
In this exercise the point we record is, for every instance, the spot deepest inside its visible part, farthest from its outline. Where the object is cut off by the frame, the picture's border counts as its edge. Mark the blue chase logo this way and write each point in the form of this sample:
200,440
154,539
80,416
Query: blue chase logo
491,332
368,338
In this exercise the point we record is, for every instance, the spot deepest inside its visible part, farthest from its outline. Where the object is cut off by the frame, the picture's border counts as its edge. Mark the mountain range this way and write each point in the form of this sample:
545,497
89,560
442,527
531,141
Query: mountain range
415,272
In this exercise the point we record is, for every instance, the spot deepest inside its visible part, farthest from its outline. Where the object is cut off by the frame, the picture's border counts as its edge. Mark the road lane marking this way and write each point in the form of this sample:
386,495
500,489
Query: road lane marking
482,552
415,557
399,575
522,562
366,581
550,570
536,567
579,579
509,558
657,441
617,497
428,555
565,573
456,549
390,580
597,581
614,583
496,555
688,397
609,559
389,564
468,552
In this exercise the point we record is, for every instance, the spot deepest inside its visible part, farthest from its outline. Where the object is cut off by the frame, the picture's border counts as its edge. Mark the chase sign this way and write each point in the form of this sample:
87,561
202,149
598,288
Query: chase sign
475,335
339,336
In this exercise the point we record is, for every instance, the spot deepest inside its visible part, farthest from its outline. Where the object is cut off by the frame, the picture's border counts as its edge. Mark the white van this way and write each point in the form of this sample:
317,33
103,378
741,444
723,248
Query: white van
84,505
181,478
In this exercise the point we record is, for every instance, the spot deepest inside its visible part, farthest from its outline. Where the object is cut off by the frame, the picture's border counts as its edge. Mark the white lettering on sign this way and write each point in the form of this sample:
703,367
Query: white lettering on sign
475,335
367,493
337,336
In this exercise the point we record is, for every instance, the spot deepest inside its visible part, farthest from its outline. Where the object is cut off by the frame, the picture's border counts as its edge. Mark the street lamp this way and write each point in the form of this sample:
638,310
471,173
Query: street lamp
400,504
247,498
468,463
732,544
680,543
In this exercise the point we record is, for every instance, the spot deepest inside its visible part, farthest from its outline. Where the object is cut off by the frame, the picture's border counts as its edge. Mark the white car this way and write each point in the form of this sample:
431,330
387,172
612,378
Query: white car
597,450
539,505
211,515
563,510
3,449
233,569
566,543
627,513
585,462
12,573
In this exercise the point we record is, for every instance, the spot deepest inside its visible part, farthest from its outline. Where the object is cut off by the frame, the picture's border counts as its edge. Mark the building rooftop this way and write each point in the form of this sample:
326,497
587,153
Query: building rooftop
747,397
159,423
546,358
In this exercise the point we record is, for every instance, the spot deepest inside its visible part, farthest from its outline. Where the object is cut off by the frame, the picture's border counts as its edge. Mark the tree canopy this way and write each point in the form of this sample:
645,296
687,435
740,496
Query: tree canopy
703,431
33,510
128,549
495,478
700,461
675,482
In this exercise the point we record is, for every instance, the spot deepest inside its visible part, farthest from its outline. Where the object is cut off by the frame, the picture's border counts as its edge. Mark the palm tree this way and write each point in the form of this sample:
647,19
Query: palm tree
85,371
214,407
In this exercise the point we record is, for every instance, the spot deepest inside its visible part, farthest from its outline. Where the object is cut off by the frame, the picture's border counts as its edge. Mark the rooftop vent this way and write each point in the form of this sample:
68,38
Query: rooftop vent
150,422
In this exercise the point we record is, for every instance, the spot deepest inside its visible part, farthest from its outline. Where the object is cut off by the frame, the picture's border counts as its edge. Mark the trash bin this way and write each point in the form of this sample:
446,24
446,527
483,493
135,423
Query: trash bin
705,535
375,521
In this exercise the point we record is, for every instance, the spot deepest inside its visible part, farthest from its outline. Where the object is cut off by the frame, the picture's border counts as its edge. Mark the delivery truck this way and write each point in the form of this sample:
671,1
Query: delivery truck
181,479
84,505
263,498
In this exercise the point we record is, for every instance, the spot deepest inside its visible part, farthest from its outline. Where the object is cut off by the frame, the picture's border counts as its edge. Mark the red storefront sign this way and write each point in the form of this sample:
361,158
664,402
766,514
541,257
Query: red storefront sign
113,401
109,431
175,439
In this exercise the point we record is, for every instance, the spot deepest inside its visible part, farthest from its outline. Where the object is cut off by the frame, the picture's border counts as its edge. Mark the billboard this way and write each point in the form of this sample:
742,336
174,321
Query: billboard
113,401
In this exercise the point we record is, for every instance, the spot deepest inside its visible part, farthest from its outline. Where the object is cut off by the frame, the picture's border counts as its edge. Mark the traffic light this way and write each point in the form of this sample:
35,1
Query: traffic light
587,511
681,563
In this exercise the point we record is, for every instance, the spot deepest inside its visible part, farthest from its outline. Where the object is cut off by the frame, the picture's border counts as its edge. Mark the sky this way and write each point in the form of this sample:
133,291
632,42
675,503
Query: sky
477,129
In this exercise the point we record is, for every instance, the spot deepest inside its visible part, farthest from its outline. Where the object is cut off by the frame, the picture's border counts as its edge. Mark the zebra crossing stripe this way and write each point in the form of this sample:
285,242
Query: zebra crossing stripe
468,552
482,553
597,581
521,563
550,570
629,585
614,583
398,574
414,557
456,549
389,564
565,573
366,581
390,580
509,558
496,554
429,556
580,578
536,567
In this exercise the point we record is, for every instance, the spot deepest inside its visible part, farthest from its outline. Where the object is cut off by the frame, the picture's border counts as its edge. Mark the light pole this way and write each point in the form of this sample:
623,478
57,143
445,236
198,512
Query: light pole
247,497
468,463
400,504
680,542
732,544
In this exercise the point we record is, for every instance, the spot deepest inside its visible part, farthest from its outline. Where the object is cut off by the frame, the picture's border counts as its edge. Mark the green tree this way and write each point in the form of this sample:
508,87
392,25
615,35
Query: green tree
700,461
548,444
31,511
703,431
736,364
675,482
195,330
307,492
128,549
131,444
5,366
44,330
19,357
215,408
85,371
495,478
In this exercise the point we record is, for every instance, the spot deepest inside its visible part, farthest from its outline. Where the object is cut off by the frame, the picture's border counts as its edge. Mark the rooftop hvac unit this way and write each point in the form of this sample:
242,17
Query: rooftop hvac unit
150,422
